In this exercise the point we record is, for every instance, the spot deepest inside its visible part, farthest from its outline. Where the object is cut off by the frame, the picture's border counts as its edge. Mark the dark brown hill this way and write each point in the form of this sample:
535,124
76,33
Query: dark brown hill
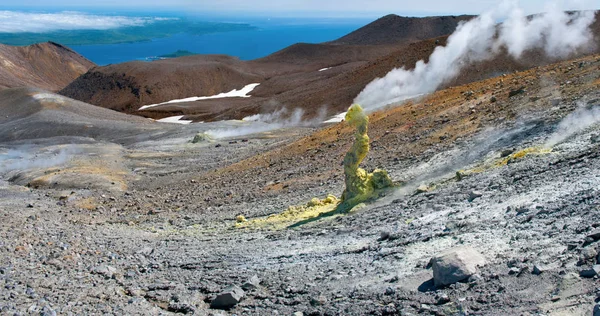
48,66
393,29
128,86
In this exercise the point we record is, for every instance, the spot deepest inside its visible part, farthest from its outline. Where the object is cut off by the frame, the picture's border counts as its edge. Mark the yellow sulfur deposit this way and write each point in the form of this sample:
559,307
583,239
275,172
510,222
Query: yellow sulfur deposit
360,185
522,153
294,214
499,162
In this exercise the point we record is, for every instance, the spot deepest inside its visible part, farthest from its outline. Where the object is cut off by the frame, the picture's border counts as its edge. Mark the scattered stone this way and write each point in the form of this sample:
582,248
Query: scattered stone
537,269
595,235
227,299
514,270
507,152
390,291
181,308
318,301
493,99
587,255
422,189
590,273
105,270
442,299
512,93
596,310
252,283
474,195
455,265
384,235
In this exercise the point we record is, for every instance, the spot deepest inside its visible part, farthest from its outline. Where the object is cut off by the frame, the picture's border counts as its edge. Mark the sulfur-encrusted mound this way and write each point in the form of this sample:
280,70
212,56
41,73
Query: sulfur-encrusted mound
360,185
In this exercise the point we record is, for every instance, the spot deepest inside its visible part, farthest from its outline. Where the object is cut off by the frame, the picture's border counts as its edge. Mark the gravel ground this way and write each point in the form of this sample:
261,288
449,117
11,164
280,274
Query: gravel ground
162,239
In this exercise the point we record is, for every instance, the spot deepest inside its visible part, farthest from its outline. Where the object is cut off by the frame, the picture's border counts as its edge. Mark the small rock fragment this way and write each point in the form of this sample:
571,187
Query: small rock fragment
105,270
597,310
455,265
537,270
590,273
252,283
474,194
228,298
181,308
318,301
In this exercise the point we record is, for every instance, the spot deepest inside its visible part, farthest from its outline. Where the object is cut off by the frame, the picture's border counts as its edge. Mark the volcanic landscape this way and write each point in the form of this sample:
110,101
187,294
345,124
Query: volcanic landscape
494,207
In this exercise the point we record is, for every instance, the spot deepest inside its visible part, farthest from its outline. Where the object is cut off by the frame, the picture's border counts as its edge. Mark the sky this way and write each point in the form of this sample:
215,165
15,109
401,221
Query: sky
298,7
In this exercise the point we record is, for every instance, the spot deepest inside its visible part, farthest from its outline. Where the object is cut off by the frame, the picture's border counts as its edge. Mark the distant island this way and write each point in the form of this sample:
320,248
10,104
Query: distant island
129,34
179,53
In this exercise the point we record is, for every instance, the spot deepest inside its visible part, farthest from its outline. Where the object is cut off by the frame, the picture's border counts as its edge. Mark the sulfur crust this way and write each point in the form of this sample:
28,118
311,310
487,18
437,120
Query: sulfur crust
360,185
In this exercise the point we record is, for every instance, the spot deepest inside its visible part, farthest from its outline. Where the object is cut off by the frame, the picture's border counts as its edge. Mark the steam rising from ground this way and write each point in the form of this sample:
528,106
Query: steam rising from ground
260,123
556,32
580,120
26,157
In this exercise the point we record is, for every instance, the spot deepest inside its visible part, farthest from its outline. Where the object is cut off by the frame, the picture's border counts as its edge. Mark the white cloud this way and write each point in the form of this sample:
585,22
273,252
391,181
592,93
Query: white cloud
16,22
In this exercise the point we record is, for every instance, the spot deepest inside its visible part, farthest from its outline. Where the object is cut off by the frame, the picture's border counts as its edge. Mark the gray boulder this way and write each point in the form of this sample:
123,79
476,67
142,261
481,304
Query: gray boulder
455,265
597,310
228,298
590,273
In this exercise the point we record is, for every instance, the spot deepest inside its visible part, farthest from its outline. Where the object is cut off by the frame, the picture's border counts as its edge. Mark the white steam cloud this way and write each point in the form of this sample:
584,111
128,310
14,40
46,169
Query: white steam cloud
555,31
26,158
260,123
17,22
581,119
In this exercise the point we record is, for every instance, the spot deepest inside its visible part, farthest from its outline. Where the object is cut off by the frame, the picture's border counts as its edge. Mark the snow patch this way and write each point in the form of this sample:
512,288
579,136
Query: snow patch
323,69
242,93
174,119
337,118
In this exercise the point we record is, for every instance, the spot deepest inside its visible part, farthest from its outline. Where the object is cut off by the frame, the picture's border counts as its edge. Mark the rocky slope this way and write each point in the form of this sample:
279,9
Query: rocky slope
48,66
510,172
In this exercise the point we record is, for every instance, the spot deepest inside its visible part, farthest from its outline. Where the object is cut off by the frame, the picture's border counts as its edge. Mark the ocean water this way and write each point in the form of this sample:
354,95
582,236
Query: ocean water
269,36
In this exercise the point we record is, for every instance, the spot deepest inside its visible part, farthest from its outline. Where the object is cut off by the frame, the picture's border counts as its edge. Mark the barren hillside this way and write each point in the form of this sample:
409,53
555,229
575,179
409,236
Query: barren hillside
48,66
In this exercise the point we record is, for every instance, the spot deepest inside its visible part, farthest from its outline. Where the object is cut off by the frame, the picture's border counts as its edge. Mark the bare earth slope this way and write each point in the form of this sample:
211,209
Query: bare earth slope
48,66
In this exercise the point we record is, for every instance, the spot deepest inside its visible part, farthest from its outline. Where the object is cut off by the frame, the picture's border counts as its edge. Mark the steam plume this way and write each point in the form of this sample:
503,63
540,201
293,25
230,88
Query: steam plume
25,158
260,123
581,119
556,32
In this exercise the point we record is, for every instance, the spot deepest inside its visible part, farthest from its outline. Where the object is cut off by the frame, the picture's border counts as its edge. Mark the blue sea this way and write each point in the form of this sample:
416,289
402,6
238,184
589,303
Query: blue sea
269,36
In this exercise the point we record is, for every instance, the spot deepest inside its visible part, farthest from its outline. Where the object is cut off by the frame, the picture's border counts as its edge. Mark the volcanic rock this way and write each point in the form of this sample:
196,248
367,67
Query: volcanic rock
252,283
455,265
473,195
230,297
590,273
105,270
